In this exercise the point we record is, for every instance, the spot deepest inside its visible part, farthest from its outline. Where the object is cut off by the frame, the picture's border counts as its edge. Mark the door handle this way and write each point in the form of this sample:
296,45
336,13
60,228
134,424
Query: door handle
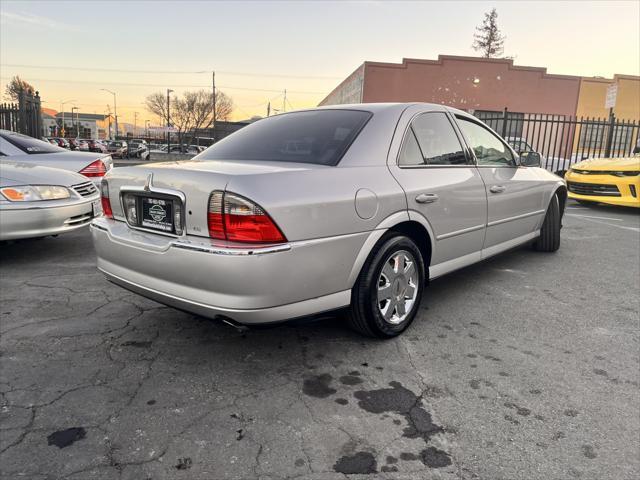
426,198
497,189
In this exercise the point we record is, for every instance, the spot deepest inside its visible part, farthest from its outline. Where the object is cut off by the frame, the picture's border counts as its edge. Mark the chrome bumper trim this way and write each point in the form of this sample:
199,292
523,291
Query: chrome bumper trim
231,251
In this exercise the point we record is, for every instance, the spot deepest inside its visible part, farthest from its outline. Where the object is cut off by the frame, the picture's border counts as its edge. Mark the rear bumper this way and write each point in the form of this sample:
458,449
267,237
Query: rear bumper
248,285
44,221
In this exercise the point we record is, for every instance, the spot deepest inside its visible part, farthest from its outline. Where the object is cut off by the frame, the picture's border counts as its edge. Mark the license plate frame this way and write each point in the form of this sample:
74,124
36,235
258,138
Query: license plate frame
157,213
96,208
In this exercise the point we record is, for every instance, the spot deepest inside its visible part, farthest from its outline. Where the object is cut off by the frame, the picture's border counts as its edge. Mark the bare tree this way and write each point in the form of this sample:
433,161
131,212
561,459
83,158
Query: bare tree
192,111
17,86
488,38
224,106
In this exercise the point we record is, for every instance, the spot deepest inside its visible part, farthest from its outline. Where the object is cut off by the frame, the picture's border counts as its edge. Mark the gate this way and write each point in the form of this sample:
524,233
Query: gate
563,140
23,117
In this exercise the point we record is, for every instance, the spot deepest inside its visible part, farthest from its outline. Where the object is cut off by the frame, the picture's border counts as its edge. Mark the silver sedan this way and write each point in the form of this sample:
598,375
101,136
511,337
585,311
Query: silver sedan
347,206
24,149
41,201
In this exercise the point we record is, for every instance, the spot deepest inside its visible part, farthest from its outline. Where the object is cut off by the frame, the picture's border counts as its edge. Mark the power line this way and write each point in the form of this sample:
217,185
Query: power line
171,72
163,85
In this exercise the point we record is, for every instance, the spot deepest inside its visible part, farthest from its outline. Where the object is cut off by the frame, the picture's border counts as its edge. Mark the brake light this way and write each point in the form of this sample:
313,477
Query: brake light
95,169
237,219
104,199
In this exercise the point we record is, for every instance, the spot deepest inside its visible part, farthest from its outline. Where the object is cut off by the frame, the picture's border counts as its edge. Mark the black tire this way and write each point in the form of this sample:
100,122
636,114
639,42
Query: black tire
365,315
549,239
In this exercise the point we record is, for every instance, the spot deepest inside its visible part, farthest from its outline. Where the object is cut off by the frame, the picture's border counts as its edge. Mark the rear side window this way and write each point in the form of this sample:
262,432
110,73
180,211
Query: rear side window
488,148
435,140
30,145
320,137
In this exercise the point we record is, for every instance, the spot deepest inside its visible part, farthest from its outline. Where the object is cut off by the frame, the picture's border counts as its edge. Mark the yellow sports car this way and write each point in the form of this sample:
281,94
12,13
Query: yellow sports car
606,180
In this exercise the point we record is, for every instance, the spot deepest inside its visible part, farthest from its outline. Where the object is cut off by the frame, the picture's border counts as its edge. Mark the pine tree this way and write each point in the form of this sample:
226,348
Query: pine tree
488,38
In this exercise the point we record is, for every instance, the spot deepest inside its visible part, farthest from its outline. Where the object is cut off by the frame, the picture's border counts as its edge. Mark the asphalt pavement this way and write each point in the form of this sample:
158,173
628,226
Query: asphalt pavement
525,366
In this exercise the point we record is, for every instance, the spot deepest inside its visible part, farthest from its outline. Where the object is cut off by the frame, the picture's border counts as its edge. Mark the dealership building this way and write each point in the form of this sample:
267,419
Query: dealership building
488,85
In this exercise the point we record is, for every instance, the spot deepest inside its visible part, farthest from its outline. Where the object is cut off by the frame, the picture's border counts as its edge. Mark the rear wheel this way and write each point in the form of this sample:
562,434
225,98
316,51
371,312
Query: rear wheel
386,296
549,239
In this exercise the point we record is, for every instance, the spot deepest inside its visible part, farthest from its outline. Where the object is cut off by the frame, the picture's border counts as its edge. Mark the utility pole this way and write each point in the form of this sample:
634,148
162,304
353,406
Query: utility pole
115,110
284,101
268,109
146,128
213,120
109,117
135,122
77,122
168,121
64,132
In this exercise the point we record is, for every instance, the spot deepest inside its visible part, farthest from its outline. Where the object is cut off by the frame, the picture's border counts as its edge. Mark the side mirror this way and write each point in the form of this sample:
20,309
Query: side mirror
636,149
530,159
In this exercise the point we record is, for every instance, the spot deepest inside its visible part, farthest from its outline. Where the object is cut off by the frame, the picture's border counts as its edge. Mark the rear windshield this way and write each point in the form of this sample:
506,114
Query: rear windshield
30,145
320,137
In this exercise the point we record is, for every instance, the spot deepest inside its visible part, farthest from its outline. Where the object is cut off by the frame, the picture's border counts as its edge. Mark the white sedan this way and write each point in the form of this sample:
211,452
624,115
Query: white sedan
40,201
23,149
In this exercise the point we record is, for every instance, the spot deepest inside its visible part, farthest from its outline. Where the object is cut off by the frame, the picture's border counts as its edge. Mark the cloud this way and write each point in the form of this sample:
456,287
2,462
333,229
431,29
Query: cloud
36,20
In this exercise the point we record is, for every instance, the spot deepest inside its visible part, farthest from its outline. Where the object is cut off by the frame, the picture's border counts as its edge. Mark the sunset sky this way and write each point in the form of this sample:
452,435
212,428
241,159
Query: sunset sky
70,50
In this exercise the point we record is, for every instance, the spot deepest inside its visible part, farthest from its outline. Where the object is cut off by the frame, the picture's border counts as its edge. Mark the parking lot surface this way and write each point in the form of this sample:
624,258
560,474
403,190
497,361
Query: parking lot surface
523,367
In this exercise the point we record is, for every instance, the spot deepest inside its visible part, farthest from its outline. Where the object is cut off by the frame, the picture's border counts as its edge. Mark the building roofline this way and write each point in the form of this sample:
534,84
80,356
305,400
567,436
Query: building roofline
362,65
441,58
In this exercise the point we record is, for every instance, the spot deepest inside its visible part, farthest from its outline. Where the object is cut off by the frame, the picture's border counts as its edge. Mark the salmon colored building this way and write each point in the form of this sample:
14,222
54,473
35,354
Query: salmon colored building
486,84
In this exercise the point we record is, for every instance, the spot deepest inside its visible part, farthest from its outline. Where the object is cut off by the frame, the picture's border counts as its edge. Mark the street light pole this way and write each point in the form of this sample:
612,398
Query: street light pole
146,128
213,120
76,123
168,122
115,110
135,122
62,110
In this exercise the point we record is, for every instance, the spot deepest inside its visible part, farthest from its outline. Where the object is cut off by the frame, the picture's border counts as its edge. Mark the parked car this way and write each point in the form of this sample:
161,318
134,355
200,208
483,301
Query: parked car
23,149
97,146
73,143
557,165
138,149
83,144
615,181
387,197
62,142
118,149
52,141
196,149
39,201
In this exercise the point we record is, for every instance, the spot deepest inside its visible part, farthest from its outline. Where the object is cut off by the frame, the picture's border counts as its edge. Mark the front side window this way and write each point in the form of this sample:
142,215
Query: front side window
320,137
431,140
488,148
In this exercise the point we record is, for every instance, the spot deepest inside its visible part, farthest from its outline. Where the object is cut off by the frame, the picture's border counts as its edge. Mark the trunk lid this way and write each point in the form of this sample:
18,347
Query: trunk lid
195,180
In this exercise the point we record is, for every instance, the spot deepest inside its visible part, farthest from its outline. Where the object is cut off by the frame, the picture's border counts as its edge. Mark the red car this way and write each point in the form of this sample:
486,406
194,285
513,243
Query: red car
96,146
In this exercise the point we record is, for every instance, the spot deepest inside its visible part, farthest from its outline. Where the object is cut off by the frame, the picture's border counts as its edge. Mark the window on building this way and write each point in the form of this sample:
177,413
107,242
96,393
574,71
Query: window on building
488,148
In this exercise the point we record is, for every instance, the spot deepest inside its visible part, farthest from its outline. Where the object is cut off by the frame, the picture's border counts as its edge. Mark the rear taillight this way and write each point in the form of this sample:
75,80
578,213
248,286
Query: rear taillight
104,199
95,169
237,219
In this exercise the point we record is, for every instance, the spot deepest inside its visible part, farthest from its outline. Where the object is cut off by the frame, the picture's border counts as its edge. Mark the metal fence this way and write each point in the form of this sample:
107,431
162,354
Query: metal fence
563,140
23,117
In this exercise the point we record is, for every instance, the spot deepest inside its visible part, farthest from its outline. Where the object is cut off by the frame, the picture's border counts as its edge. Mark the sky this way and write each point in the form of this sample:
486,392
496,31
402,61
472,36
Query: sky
70,50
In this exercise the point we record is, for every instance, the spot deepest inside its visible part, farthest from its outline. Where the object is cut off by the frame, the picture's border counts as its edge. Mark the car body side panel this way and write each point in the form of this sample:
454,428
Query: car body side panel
322,202
458,217
518,209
